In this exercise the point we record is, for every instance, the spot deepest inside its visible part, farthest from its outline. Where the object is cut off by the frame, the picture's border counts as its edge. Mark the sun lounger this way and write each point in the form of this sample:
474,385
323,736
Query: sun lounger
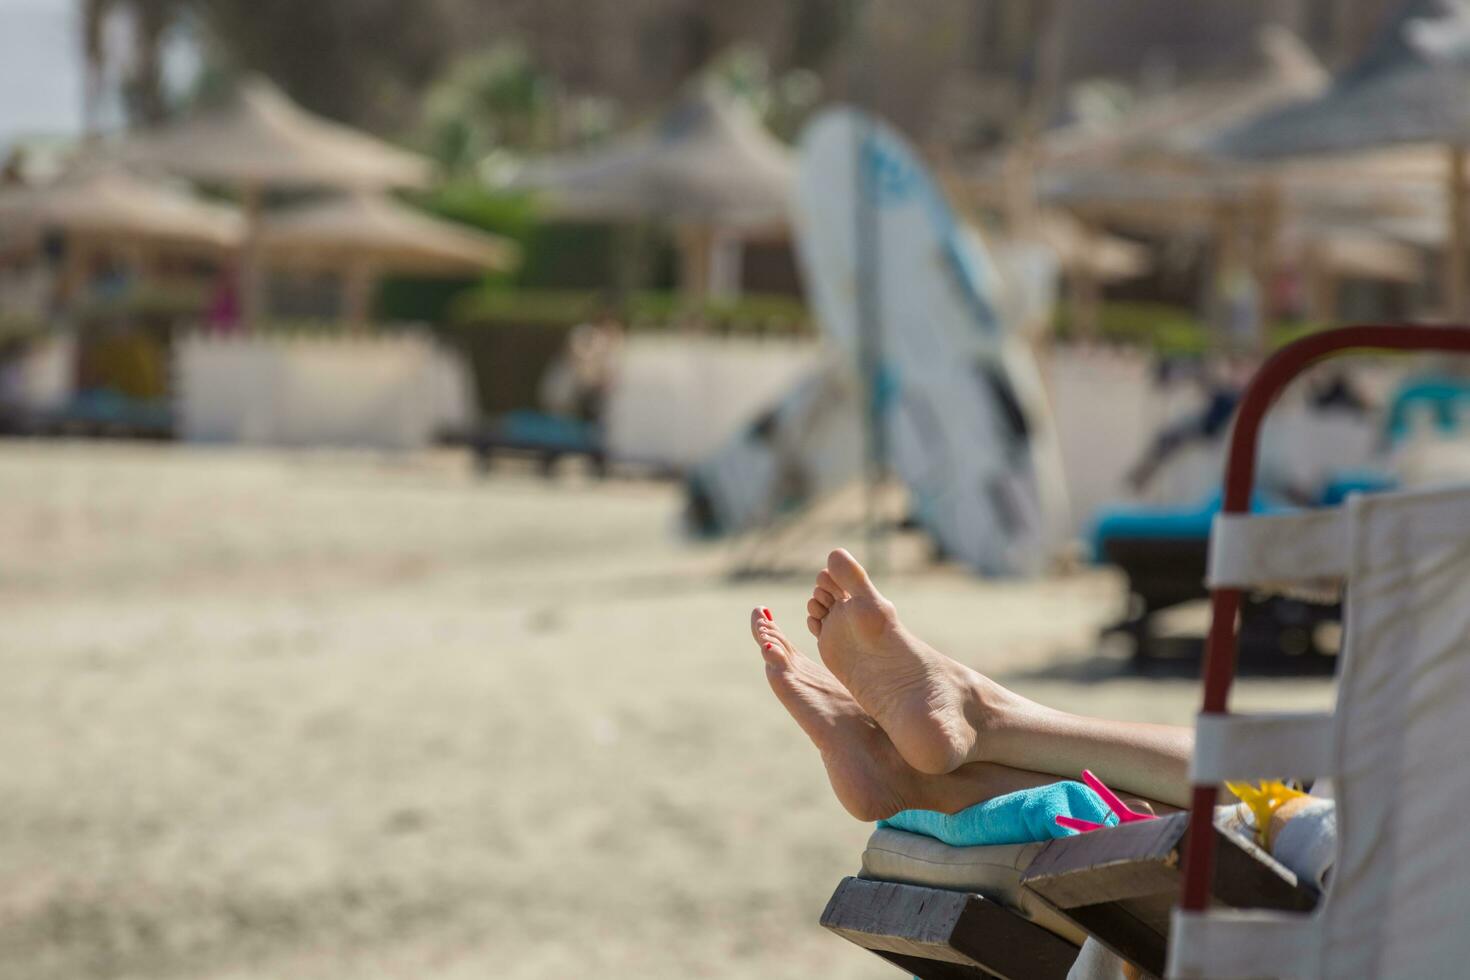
1393,748
1162,553
1023,910
548,437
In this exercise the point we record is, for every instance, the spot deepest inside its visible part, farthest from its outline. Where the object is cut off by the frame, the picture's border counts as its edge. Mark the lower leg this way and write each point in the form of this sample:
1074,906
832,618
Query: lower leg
1149,760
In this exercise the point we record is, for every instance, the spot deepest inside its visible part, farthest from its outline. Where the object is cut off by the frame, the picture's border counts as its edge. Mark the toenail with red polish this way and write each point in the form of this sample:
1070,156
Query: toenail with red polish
767,613
768,646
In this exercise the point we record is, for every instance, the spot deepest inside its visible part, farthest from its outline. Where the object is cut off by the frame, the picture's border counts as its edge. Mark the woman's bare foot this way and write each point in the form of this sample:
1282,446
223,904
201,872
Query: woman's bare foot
933,708
869,777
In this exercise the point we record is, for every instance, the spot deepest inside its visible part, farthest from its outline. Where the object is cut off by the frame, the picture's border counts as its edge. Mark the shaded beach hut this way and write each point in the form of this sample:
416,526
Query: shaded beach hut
707,166
1410,87
260,140
136,217
364,235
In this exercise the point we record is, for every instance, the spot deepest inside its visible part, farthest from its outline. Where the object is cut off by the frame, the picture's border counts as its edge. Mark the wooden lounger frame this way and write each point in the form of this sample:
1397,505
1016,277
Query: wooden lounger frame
1116,885
936,934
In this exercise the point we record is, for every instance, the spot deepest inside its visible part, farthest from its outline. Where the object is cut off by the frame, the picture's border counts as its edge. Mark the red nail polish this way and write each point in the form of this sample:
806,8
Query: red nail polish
767,613
768,646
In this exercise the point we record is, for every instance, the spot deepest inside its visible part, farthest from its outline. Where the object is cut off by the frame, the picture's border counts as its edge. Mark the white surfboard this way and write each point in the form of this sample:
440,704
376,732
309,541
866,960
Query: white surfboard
805,447
966,418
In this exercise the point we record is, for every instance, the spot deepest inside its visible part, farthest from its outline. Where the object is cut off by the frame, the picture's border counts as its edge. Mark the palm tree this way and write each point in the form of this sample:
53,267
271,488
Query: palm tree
143,88
94,17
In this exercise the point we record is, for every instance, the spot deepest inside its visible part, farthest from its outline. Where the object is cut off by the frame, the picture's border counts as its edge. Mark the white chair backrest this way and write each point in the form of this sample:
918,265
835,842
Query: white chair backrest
1397,746
1399,897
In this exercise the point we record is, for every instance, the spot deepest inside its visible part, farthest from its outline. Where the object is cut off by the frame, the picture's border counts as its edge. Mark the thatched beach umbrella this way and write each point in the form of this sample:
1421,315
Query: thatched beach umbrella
366,235
1411,87
260,140
1090,257
95,209
704,165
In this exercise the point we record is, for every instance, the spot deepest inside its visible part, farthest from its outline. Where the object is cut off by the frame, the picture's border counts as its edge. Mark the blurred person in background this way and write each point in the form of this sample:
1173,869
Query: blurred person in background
580,380
1221,382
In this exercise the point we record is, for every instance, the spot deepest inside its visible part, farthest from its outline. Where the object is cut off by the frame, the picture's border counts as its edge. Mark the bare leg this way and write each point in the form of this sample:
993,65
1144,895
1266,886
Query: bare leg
941,714
868,775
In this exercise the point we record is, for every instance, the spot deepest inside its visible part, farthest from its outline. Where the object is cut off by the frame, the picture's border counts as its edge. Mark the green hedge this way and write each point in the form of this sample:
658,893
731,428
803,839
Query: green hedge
641,311
510,337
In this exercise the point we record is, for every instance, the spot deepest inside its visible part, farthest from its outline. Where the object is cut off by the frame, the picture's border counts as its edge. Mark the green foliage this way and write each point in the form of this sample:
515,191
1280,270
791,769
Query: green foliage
782,100
488,307
495,98
413,299
18,328
156,302
429,299
1154,326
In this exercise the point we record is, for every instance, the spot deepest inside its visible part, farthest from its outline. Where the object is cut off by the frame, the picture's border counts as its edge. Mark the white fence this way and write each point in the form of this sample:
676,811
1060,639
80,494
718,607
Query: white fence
380,392
42,378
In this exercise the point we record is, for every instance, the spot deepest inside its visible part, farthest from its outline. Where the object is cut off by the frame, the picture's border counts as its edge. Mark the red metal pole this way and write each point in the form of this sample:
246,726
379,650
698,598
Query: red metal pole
1240,472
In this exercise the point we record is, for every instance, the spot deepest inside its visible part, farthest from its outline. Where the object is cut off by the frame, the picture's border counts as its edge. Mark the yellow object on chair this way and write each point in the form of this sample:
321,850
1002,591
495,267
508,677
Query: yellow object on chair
1264,799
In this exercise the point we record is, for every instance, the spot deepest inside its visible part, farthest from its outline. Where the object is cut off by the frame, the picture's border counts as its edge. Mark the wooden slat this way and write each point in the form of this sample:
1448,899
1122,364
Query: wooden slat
1141,859
1107,865
1118,885
922,969
945,931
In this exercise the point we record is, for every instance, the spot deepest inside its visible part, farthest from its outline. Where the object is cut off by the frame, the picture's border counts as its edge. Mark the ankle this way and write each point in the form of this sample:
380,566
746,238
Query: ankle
990,709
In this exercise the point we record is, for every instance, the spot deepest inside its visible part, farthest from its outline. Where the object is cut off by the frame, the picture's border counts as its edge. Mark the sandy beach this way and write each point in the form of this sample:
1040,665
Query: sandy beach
347,716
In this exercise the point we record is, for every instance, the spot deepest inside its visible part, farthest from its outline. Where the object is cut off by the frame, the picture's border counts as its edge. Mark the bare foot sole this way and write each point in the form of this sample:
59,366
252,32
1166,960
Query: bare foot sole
869,777
931,707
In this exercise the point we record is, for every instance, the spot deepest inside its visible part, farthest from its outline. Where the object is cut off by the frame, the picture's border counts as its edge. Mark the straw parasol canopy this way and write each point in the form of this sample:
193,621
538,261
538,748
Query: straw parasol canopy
1180,124
705,159
259,140
706,164
112,209
367,234
1410,88
1086,251
114,206
260,137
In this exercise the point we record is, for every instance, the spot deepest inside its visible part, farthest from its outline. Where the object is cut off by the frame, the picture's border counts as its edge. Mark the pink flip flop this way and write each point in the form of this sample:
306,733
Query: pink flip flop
1119,808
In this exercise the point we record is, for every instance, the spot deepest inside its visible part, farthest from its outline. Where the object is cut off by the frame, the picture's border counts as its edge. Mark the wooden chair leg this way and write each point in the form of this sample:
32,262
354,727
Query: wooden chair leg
937,934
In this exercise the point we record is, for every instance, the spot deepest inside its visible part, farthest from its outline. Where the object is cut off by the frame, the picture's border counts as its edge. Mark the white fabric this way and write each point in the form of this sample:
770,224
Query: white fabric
1248,747
1235,943
1399,895
1095,963
1304,546
679,399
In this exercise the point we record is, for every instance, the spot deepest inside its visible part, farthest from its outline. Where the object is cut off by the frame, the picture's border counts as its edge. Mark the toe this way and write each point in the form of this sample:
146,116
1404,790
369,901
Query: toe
774,645
771,633
774,649
848,574
815,609
828,584
815,625
758,619
824,599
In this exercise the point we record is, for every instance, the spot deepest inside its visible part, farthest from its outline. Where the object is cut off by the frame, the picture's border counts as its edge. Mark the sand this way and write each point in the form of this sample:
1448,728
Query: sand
346,716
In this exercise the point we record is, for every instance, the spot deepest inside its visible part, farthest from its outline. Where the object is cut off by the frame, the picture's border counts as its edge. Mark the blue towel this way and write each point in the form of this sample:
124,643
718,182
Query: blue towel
1016,818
